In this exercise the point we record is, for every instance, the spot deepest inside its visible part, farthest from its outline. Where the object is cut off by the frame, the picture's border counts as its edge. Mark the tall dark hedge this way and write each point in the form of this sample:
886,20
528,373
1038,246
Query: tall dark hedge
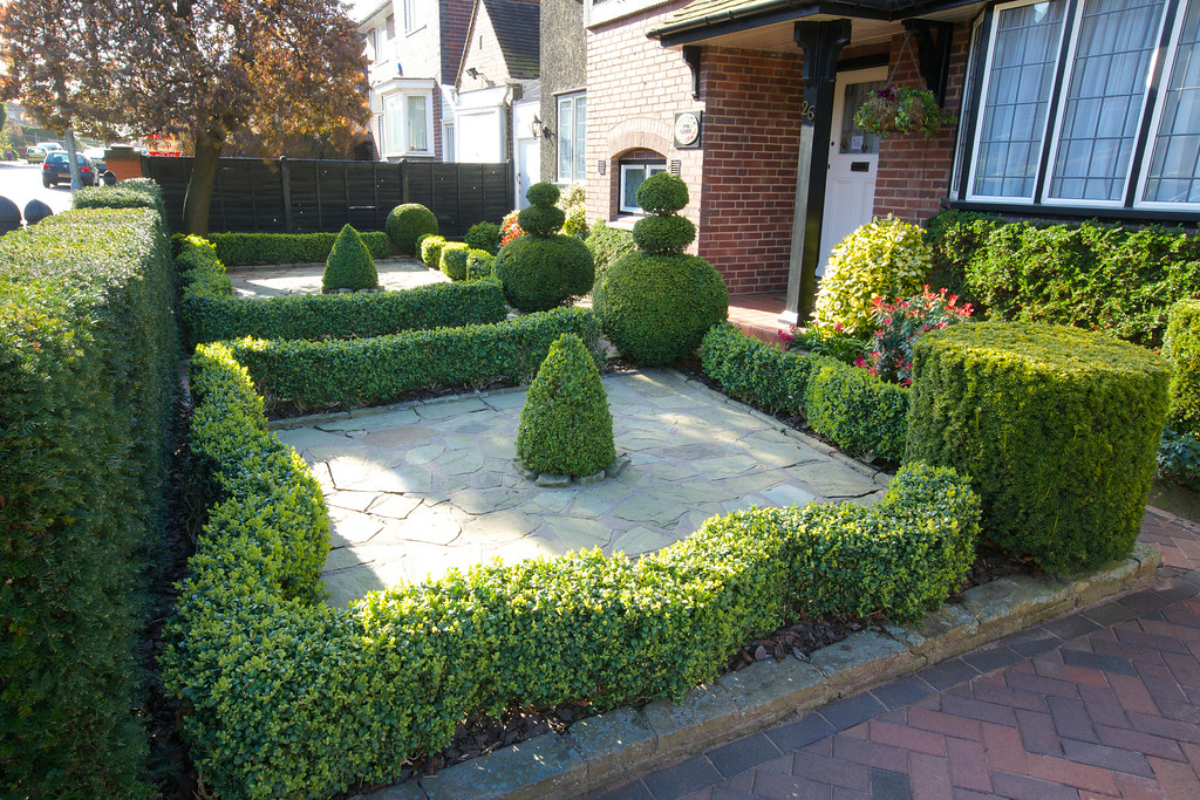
88,357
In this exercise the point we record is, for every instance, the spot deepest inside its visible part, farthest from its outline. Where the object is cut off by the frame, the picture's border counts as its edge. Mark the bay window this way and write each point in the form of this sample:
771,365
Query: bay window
408,123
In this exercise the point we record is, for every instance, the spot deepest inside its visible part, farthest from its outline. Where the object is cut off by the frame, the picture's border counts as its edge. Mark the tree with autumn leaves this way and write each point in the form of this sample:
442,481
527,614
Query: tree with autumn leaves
198,70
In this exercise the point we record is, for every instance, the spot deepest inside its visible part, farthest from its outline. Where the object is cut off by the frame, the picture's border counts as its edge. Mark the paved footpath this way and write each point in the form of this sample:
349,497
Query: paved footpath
1104,702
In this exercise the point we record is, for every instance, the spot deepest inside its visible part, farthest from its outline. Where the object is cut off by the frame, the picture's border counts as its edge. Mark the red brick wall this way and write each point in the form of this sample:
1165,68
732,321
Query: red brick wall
915,172
751,143
455,19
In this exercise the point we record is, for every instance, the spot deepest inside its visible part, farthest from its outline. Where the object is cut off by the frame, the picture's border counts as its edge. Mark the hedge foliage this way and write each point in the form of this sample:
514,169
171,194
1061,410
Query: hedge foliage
1089,275
212,313
542,272
238,249
362,372
284,697
130,193
431,250
860,413
453,261
88,368
1058,427
349,265
607,245
1181,346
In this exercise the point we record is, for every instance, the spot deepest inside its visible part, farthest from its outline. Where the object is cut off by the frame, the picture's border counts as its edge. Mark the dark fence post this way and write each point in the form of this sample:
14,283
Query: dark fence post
285,183
404,193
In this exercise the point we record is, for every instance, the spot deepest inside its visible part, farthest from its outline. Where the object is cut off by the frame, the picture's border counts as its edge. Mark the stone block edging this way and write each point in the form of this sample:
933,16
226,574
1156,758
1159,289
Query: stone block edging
607,749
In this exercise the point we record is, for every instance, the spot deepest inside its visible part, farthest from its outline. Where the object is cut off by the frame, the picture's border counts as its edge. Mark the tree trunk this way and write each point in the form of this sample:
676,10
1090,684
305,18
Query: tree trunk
200,185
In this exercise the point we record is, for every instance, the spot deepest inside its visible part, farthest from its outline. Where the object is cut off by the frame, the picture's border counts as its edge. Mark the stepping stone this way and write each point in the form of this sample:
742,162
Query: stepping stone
641,440
693,493
351,527
356,474
695,452
756,482
355,501
430,524
555,501
580,534
831,479
452,408
393,506
396,437
588,505
503,402
372,422
488,500
502,527
419,456
672,472
303,438
744,503
775,450
503,448
640,540
789,495
650,510
716,469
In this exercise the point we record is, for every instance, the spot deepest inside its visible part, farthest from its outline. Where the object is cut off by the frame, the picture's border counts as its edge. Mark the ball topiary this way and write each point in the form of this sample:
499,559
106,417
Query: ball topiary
657,308
349,265
431,251
405,223
542,194
885,258
1057,427
662,193
479,264
566,426
656,304
453,260
541,218
484,236
541,272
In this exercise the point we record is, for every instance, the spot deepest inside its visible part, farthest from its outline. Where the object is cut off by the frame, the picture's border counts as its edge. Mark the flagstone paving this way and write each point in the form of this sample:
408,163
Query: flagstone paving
276,280
417,490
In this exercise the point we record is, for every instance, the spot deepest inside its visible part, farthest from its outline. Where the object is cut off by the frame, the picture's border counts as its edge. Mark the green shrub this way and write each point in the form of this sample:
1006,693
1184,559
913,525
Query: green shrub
566,427
1181,346
823,342
542,272
407,222
657,308
953,236
88,374
856,410
541,218
240,249
607,245
573,203
431,251
664,235
1089,275
130,193
373,371
479,265
484,236
349,265
250,645
662,194
884,258
542,195
453,261
1179,458
1058,428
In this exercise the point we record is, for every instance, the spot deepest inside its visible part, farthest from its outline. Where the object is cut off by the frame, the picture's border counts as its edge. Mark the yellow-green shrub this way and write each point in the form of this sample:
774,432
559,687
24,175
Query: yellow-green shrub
1181,346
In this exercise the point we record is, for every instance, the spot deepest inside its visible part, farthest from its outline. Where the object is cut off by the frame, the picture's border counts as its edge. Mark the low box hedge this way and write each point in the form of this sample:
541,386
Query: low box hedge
1058,428
239,249
88,375
1090,275
211,312
365,372
856,410
1181,346
285,697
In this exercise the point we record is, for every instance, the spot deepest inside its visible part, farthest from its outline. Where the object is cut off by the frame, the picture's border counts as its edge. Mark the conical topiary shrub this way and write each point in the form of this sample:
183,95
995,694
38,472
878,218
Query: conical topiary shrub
655,304
543,269
349,265
405,223
566,426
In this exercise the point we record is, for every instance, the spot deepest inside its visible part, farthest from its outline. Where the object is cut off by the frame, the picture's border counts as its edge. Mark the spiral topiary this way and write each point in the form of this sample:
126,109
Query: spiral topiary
405,223
349,265
655,304
453,261
542,270
566,426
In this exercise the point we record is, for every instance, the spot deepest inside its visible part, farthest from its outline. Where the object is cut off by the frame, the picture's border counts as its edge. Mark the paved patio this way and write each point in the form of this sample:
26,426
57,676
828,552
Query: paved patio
414,490
273,281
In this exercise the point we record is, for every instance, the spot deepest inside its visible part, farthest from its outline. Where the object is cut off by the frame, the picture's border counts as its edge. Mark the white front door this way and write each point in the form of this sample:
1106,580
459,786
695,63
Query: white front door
529,168
853,161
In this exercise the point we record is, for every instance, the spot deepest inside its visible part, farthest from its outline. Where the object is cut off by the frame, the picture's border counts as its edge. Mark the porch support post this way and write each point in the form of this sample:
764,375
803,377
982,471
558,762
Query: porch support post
822,42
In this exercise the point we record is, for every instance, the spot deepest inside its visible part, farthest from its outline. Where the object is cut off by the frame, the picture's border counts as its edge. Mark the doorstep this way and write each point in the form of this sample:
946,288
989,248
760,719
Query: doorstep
607,749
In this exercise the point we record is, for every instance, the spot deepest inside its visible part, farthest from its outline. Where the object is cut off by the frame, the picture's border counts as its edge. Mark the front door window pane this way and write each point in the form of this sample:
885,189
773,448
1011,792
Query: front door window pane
1174,174
1104,98
1024,59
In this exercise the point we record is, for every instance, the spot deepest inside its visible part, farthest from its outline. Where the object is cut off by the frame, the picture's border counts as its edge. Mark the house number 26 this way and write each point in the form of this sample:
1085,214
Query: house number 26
807,111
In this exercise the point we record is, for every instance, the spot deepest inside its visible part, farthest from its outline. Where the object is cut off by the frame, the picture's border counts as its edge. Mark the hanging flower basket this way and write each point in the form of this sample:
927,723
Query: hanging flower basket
902,110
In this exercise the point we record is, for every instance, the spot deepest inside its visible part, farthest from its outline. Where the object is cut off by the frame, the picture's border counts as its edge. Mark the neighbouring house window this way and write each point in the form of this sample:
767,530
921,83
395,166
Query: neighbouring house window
1072,98
408,123
411,20
449,153
572,137
1173,174
632,175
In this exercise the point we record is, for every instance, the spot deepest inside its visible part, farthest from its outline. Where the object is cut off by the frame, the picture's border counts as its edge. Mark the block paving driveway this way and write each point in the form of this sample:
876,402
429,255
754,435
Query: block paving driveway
1104,702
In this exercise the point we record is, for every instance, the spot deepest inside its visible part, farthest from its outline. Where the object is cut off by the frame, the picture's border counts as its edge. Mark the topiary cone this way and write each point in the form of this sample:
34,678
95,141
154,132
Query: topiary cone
349,265
566,427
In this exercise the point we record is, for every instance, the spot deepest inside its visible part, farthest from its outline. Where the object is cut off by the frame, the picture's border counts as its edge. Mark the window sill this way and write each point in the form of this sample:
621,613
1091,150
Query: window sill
625,221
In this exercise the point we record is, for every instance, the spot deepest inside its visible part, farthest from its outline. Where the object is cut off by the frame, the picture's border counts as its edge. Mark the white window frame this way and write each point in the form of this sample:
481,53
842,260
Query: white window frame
449,142
1056,139
646,169
1156,121
981,110
412,17
570,101
396,124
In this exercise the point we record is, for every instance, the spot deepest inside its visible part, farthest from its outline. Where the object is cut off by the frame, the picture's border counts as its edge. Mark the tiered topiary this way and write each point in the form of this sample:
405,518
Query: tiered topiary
406,223
1057,427
349,265
542,270
431,250
566,426
655,304
484,236
453,261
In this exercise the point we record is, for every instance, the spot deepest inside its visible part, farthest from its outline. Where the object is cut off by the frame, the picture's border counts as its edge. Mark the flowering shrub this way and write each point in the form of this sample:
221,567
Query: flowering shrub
571,202
510,229
847,349
900,323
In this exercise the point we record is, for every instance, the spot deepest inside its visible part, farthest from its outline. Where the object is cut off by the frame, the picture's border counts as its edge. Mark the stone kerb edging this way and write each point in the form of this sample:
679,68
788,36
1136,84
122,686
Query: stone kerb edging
607,749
